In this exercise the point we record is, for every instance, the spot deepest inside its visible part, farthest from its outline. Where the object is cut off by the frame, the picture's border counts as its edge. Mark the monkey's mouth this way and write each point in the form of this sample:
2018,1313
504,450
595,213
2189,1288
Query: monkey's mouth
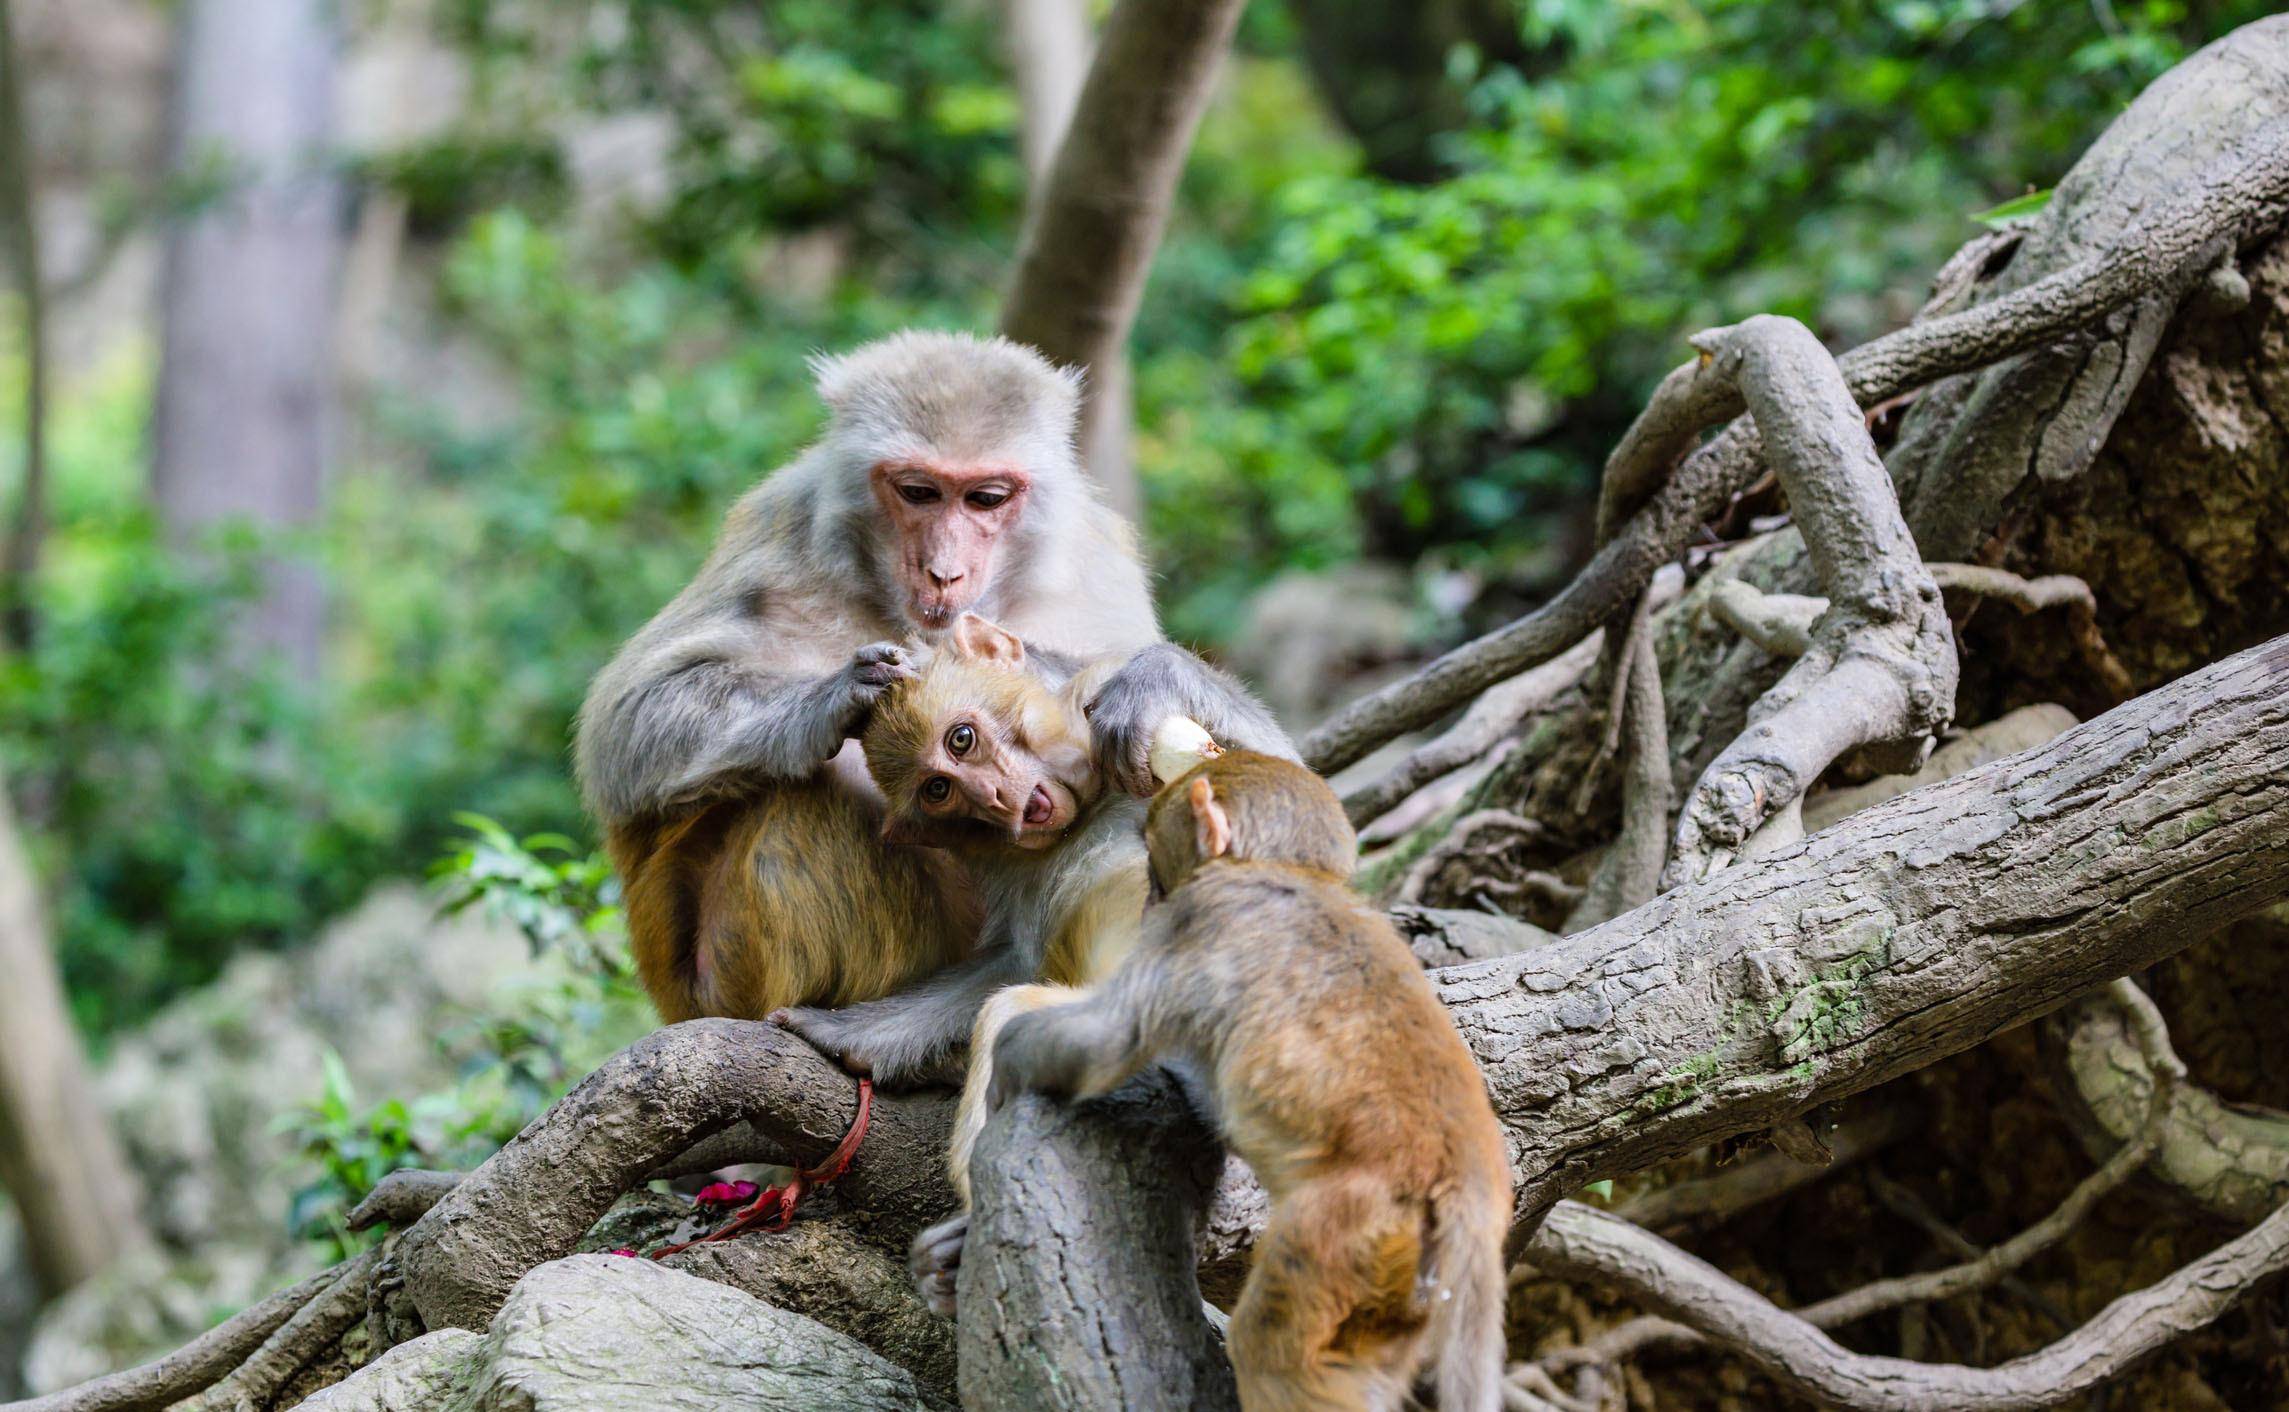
1044,817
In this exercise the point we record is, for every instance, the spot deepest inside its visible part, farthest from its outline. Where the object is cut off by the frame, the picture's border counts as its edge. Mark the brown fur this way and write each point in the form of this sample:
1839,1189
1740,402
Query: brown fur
786,898
1338,1077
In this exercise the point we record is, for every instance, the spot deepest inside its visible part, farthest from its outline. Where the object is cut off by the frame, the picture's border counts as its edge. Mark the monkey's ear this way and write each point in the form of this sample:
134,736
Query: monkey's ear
1211,826
831,374
981,641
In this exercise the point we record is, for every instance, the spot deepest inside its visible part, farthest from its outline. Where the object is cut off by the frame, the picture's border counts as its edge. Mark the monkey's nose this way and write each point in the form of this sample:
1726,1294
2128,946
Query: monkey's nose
942,579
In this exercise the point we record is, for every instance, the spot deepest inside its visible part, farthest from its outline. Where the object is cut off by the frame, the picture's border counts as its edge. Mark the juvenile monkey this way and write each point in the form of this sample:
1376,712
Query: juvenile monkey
711,749
980,757
1336,1075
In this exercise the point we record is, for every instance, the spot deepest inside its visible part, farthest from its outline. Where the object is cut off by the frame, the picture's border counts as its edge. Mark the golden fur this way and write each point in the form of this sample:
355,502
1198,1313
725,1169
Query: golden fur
789,897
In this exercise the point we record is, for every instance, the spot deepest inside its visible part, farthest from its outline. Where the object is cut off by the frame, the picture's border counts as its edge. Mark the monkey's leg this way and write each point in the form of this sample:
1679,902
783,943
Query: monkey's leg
936,1255
1330,1317
907,1038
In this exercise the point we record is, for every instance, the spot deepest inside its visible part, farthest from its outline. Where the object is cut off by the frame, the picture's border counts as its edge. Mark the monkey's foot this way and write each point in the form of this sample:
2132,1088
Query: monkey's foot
827,1032
880,1044
936,1259
775,1206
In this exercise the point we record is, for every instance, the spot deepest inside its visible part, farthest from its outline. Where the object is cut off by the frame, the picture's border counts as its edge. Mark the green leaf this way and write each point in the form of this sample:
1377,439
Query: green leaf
2013,211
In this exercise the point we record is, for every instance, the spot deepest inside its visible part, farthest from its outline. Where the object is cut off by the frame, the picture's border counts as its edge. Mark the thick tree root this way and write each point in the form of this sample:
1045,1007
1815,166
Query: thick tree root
2243,195
1878,670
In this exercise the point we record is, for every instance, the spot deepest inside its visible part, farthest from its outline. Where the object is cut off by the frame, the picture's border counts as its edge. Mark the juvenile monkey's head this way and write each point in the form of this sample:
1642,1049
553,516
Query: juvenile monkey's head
1251,808
957,457
976,749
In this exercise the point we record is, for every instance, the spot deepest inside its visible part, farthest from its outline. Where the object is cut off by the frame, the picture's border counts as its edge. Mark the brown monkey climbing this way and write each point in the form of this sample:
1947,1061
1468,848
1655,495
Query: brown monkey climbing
711,748
1336,1075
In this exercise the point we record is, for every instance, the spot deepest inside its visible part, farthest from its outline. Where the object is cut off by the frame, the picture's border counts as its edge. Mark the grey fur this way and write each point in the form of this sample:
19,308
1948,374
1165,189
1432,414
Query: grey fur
749,674
1164,680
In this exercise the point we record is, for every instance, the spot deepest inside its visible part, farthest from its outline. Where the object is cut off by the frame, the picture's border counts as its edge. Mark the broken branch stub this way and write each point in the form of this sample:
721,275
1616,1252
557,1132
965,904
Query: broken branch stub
1879,669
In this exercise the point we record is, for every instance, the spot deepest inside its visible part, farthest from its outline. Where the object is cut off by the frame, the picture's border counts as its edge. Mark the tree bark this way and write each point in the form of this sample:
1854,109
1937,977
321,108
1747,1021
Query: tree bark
246,368
58,1158
1092,229
1907,933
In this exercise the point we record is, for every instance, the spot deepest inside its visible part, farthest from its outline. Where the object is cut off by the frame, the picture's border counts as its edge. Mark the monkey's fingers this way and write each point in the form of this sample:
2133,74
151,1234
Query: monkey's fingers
936,1261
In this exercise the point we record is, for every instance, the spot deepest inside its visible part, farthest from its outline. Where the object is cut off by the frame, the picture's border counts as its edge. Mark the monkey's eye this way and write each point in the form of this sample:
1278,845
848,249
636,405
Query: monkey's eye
937,789
987,499
918,493
960,740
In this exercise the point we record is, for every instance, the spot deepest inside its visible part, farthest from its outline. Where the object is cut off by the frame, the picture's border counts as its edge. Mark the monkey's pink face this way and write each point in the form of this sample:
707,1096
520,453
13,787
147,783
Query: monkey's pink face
951,522
994,773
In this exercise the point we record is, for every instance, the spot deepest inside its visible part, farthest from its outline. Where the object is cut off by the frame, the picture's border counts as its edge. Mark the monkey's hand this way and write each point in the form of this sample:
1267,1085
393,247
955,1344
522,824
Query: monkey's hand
936,1260
871,671
1123,716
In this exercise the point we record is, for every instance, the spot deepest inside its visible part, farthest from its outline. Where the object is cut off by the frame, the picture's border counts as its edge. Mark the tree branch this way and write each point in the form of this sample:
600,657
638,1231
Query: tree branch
636,1112
190,1369
1092,230
1979,1268
1583,1243
1879,668
2243,195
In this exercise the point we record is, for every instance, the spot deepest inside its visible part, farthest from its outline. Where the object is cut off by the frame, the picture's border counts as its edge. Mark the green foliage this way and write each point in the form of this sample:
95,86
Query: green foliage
517,1058
1327,365
1459,356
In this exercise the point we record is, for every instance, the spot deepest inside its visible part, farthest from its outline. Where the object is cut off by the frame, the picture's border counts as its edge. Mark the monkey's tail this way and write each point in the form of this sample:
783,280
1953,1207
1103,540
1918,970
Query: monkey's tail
1463,1270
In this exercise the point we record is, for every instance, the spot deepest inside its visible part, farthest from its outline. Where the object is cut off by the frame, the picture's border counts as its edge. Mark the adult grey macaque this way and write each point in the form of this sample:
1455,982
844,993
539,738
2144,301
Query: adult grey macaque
946,482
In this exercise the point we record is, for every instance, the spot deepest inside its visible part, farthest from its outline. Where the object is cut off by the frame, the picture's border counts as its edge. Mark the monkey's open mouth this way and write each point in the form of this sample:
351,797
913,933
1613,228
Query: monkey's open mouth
1040,809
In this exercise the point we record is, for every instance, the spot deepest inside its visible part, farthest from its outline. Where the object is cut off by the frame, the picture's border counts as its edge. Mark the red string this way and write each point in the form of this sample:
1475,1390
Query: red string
774,1207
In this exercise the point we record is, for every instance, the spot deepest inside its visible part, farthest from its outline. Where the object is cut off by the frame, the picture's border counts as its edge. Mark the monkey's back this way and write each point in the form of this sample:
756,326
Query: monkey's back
1331,1050
785,897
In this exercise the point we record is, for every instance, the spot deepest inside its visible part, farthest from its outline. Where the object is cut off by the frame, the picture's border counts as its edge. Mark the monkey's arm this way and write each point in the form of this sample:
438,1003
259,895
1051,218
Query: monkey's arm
1164,680
698,724
907,1038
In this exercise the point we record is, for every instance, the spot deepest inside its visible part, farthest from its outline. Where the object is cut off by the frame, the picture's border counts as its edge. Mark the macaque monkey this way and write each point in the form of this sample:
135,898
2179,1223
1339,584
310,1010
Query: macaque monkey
983,758
712,749
1335,1073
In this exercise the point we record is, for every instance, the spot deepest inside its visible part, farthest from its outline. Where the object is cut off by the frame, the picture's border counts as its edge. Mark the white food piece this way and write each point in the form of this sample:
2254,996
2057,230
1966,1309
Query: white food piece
1178,744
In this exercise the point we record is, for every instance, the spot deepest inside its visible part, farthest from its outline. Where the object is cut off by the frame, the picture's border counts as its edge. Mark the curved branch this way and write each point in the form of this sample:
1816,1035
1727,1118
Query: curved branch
1879,669
1582,1243
639,1110
1980,1268
2230,1159
2036,594
2245,194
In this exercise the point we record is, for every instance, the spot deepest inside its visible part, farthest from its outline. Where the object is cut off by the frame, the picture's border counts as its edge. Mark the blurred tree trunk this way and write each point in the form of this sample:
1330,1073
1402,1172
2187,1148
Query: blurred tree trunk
246,373
21,216
1094,224
1049,45
58,1158
1383,70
